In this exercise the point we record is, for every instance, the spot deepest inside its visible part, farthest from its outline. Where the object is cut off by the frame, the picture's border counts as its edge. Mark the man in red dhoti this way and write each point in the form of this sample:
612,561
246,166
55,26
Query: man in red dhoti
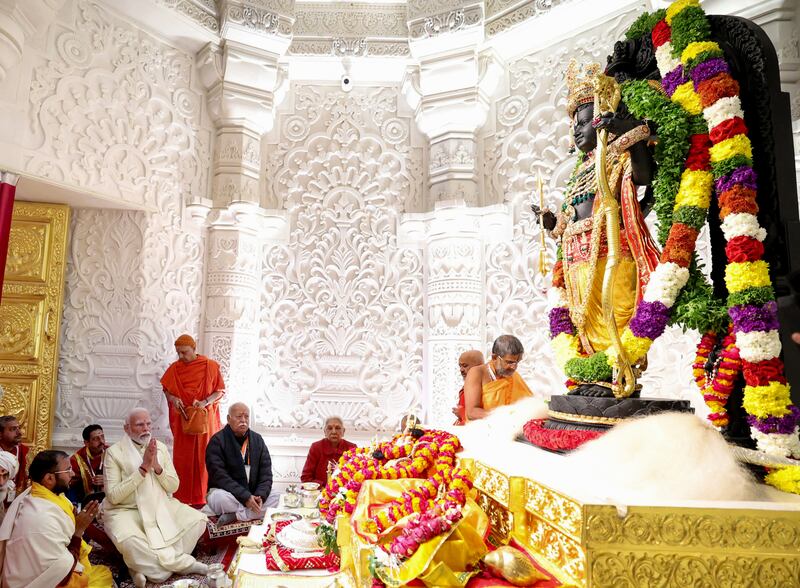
192,381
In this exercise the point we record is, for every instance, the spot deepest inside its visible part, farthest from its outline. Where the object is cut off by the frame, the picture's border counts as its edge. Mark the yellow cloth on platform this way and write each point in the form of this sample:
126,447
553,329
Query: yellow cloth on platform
503,391
446,560
92,576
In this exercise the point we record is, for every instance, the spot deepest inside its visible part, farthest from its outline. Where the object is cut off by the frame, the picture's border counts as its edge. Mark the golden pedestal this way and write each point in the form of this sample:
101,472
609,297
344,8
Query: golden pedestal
596,545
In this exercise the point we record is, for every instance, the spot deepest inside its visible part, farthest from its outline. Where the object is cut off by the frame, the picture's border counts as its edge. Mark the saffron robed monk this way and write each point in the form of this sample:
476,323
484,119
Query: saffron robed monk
192,385
495,383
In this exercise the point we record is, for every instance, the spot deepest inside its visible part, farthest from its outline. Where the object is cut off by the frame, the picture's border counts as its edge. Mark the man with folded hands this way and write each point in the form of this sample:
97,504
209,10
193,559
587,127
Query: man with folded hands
239,470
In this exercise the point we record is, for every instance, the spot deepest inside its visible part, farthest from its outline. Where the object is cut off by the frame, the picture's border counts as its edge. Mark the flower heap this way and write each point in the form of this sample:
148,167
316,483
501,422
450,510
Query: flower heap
431,457
717,388
702,78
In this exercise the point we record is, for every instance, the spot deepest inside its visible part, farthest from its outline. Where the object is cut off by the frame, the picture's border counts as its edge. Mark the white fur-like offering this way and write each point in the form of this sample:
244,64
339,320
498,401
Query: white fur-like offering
661,459
503,424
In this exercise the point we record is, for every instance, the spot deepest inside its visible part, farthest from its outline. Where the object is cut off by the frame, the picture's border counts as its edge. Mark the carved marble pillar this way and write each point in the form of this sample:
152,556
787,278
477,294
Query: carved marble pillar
245,83
232,300
19,21
453,237
450,93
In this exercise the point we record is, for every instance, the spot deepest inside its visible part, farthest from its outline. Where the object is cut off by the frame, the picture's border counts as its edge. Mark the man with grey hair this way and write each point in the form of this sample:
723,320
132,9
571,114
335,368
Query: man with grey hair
154,532
495,383
325,451
239,470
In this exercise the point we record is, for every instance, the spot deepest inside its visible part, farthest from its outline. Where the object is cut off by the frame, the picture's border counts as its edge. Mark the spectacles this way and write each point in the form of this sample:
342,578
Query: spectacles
514,363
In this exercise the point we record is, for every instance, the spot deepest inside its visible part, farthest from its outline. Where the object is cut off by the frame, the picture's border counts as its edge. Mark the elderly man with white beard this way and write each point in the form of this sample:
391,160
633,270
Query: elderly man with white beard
154,532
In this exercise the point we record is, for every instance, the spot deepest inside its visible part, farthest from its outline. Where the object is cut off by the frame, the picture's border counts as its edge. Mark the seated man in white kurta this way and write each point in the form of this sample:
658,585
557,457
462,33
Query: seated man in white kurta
154,532
40,538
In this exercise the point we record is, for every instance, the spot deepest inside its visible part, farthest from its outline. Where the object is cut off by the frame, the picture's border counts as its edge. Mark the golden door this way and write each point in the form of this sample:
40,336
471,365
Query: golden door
30,317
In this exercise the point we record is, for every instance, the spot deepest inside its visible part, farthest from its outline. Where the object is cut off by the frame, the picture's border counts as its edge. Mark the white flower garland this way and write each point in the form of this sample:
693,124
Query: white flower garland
743,224
758,346
666,282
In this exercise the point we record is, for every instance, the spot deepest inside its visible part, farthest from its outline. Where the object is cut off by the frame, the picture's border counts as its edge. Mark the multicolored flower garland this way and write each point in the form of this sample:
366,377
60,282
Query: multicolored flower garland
696,76
703,71
432,457
424,527
717,389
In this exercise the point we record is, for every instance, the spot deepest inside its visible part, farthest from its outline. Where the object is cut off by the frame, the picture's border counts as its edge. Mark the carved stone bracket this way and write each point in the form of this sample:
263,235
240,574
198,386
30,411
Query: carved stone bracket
244,87
450,21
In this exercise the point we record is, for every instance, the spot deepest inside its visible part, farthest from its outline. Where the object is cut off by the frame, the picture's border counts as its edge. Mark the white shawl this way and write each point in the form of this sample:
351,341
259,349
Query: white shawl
37,555
152,502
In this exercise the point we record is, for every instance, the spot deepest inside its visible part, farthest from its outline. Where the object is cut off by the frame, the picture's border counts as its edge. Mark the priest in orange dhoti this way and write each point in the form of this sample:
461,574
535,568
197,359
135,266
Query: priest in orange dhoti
193,383
495,383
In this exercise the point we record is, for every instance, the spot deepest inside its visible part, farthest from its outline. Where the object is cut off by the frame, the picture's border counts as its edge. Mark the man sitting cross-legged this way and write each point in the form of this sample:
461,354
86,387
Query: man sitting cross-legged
41,534
154,532
239,470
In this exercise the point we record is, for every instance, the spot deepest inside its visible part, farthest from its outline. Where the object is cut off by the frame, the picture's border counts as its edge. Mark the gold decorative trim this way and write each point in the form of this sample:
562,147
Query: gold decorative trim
592,545
491,482
579,418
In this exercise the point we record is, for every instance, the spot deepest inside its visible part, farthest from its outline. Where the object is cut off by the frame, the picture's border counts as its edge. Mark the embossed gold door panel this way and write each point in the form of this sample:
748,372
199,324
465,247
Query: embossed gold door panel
30,316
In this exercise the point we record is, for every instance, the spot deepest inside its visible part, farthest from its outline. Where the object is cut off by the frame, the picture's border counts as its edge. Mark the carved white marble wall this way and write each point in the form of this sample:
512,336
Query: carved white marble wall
341,302
97,104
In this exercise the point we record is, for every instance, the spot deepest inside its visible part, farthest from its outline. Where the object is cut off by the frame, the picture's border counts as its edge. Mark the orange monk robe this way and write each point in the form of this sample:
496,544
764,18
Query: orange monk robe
195,380
503,391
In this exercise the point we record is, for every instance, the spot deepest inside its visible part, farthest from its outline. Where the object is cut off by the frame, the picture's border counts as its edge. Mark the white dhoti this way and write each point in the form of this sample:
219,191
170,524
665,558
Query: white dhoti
221,501
154,532
159,564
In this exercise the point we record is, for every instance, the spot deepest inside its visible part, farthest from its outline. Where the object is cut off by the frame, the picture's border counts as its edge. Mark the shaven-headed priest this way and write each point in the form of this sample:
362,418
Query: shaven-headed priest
40,538
239,469
154,532
466,361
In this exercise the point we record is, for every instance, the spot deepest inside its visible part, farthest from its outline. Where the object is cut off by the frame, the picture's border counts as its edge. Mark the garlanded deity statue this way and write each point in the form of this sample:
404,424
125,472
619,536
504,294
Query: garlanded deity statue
581,226
710,88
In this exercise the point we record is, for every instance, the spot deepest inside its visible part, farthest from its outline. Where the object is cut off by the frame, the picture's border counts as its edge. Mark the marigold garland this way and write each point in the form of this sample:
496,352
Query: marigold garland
696,77
717,384
431,457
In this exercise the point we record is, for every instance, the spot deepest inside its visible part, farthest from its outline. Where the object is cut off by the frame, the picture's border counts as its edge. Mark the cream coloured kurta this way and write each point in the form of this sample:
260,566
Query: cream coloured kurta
35,534
154,532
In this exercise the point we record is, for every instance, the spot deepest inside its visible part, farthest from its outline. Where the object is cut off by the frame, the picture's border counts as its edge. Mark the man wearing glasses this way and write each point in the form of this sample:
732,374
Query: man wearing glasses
495,383
42,534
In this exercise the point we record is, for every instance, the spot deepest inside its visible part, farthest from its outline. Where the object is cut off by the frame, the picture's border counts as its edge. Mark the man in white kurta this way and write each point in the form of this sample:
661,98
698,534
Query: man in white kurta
40,538
154,532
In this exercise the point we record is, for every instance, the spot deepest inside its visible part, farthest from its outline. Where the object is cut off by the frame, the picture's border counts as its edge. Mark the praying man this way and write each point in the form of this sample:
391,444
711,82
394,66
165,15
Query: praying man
154,532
